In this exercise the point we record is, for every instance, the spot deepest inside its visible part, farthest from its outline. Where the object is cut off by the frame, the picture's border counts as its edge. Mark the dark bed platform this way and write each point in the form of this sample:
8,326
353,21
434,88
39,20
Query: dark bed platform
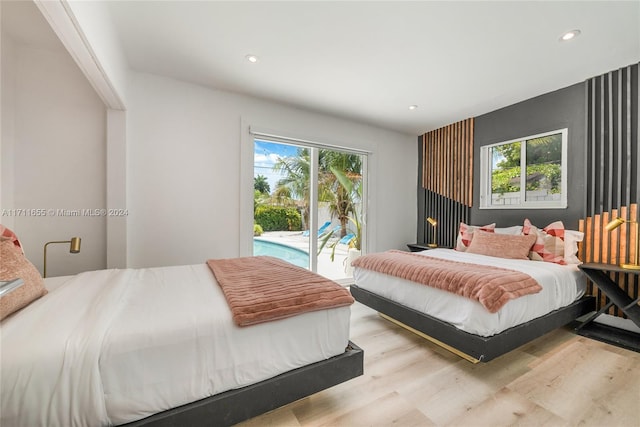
472,347
234,406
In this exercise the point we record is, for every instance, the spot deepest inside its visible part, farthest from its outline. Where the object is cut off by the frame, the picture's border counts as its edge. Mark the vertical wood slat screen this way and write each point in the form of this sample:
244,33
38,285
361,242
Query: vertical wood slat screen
615,247
447,162
613,164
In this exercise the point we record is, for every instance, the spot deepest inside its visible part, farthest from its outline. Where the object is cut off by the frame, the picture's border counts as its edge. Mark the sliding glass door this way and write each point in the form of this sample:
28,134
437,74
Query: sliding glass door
308,205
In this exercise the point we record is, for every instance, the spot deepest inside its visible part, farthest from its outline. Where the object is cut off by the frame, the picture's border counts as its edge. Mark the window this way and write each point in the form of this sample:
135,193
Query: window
543,184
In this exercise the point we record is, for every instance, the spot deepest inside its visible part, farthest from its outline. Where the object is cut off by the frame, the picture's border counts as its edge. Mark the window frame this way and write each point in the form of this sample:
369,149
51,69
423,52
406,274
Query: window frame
486,174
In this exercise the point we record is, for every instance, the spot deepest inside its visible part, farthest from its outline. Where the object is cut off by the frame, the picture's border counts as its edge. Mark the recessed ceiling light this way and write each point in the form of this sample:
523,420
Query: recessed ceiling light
252,58
413,107
570,35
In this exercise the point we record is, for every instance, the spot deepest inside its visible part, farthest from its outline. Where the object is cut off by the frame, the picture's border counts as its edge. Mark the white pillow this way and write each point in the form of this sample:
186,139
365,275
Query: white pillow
571,239
515,230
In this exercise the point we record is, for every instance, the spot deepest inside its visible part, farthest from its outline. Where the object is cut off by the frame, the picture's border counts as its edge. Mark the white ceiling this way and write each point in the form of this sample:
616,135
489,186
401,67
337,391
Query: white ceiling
369,61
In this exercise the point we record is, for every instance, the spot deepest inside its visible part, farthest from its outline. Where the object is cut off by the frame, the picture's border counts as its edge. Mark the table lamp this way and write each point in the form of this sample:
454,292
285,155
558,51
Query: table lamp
433,223
74,248
617,223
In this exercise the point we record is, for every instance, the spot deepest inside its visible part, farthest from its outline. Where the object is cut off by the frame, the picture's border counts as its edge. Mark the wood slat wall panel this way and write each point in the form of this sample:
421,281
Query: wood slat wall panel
613,162
469,160
615,247
448,162
633,213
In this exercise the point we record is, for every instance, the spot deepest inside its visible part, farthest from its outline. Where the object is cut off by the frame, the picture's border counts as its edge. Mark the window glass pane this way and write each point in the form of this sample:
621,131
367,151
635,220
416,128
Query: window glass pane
281,201
340,205
282,206
505,174
544,169
543,185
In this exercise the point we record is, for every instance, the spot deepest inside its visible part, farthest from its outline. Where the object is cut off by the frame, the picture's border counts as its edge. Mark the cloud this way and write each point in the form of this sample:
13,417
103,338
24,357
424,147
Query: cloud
266,154
264,159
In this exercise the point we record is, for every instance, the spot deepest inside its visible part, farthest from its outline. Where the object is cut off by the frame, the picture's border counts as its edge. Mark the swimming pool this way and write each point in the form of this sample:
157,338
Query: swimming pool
279,250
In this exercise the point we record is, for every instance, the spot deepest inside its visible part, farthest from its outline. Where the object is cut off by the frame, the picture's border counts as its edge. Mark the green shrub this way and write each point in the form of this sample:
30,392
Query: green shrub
278,218
257,230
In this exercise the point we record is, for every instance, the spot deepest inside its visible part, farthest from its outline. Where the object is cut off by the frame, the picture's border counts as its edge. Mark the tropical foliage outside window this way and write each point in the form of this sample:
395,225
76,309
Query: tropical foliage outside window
543,183
341,196
284,174
339,188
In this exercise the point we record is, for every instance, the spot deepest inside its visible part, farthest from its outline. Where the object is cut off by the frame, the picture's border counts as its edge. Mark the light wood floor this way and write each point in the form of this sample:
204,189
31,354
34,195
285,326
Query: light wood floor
560,379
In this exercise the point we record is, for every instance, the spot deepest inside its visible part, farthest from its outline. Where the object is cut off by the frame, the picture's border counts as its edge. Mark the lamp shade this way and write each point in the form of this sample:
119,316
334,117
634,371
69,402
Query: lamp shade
432,221
74,248
617,222
614,224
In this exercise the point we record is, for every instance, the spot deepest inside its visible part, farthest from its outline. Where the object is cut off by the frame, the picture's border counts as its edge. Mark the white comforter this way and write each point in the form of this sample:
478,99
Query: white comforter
113,346
561,285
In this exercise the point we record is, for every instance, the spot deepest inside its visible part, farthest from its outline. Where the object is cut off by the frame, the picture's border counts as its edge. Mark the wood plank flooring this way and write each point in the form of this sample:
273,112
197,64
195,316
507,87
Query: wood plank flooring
560,379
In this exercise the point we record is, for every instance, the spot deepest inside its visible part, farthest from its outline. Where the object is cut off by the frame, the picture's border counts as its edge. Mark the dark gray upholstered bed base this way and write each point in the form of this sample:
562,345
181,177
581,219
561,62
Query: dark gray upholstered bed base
479,348
234,406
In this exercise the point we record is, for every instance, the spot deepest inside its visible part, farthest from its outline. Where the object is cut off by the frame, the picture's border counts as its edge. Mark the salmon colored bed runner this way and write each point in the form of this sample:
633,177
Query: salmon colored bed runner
262,288
492,286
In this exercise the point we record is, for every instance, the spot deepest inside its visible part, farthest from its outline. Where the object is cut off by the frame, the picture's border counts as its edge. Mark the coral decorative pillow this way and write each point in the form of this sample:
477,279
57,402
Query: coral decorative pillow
549,245
465,235
16,265
501,245
7,234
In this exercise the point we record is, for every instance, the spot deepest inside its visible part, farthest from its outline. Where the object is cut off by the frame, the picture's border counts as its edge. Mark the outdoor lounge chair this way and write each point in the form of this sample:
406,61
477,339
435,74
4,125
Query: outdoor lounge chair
346,239
321,230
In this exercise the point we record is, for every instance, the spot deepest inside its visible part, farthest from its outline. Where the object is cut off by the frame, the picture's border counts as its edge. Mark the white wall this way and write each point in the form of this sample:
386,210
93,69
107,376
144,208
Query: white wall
86,31
186,166
188,170
7,121
94,19
54,143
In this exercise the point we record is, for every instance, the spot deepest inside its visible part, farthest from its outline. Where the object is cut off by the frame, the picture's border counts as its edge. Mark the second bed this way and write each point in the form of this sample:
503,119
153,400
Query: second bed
464,325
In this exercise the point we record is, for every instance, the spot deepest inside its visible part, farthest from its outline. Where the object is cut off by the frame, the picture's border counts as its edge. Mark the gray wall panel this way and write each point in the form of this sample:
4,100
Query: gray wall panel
564,108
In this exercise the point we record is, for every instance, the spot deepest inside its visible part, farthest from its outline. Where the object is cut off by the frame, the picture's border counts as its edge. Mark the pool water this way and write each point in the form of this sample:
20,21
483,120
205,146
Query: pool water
285,252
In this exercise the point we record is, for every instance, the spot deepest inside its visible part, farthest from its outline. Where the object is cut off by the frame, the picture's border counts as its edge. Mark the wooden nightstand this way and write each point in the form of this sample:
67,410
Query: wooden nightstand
599,274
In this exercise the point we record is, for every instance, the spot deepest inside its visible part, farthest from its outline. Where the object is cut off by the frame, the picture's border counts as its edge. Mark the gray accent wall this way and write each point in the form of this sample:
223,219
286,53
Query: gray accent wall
564,108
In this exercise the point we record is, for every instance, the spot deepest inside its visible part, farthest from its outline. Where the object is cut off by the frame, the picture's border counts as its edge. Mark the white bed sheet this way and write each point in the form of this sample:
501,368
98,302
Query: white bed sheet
113,346
561,285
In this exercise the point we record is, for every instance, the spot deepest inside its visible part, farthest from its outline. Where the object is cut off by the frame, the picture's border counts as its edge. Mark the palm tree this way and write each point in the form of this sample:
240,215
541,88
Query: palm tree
341,199
296,176
295,182
261,184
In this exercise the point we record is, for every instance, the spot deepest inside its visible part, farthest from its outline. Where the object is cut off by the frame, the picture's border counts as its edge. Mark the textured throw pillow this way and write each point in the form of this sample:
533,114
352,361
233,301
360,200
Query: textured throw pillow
15,265
549,245
501,245
571,239
465,235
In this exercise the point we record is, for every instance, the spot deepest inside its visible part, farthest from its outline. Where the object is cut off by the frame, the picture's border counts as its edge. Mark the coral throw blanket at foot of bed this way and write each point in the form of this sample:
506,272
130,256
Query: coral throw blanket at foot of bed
493,287
262,288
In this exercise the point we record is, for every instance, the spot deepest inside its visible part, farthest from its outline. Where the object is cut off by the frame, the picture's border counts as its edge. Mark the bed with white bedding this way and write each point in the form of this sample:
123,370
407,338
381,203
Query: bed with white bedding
463,324
114,346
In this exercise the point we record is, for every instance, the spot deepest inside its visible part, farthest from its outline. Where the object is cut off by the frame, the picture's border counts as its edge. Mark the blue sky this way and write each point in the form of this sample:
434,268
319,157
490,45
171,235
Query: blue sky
265,155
